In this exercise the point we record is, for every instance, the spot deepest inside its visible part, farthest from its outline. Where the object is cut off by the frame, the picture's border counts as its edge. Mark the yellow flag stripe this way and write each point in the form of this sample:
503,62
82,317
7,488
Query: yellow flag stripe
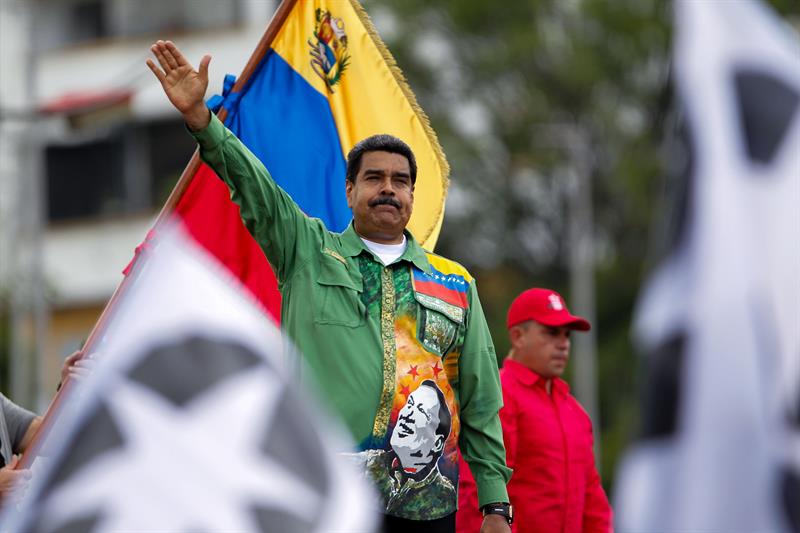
370,97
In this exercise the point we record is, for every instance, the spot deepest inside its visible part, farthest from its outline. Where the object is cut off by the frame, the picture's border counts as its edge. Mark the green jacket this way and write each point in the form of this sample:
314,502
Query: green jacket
372,333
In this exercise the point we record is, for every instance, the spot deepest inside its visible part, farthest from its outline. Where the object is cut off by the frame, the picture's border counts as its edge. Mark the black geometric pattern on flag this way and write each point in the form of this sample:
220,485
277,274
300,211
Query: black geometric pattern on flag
205,366
790,496
180,372
794,418
662,389
82,525
681,162
296,445
790,479
100,436
767,106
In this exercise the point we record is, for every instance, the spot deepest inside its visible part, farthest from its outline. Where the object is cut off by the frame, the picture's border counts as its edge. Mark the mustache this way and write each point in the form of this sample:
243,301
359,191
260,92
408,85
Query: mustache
385,200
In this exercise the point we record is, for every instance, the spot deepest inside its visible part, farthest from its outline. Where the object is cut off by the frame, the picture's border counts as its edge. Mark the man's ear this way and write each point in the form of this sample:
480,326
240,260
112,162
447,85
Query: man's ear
514,335
348,192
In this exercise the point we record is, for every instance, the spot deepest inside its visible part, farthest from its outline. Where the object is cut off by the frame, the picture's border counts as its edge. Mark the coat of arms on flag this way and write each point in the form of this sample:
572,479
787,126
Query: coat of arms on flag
329,56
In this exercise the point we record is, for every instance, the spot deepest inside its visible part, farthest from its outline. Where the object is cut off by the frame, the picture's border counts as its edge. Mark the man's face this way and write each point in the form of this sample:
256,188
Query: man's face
414,439
381,197
543,349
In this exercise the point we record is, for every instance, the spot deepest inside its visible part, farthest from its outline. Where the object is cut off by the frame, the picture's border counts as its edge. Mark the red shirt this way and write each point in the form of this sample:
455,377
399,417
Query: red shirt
555,487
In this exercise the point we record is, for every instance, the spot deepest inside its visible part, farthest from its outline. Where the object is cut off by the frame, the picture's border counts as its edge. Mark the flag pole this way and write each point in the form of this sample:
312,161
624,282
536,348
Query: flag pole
255,59
278,18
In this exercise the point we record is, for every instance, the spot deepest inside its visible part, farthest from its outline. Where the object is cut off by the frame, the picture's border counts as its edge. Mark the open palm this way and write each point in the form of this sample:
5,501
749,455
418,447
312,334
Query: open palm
184,86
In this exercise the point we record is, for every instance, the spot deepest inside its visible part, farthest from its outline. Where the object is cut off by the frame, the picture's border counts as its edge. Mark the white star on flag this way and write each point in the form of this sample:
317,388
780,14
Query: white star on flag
191,422
212,478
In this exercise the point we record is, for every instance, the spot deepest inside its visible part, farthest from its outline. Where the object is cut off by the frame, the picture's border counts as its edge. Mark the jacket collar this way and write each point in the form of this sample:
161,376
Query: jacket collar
352,246
529,378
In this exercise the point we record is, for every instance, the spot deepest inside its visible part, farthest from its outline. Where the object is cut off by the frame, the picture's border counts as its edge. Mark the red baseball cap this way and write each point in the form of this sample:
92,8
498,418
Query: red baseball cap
546,307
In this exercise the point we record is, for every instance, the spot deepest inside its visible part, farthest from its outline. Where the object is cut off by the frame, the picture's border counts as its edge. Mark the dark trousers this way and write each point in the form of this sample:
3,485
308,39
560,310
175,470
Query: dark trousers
392,524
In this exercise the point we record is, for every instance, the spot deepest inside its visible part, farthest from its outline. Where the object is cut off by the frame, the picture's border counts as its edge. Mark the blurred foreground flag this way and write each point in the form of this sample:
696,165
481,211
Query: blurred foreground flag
190,423
719,322
320,81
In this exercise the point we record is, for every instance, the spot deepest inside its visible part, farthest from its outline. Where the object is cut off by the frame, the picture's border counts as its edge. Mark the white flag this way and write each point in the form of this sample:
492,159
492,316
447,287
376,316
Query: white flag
720,320
189,422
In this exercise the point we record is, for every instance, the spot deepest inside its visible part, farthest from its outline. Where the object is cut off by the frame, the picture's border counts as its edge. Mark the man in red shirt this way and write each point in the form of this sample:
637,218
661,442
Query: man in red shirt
555,487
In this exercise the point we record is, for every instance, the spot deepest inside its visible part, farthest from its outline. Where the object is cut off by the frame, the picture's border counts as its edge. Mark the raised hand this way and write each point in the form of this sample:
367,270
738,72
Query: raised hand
184,86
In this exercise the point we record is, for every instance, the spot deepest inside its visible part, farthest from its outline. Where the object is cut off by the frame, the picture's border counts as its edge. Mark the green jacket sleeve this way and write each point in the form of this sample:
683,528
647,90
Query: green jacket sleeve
480,397
278,225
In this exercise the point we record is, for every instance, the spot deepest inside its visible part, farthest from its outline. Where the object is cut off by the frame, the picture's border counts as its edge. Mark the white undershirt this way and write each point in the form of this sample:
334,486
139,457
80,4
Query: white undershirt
387,253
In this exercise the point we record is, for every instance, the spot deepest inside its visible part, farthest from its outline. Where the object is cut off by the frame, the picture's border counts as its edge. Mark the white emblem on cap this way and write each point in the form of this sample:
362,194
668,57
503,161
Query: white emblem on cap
555,302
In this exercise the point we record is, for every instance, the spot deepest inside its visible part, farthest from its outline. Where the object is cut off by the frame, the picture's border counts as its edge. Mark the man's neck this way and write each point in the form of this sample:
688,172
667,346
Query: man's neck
383,242
548,382
380,237
387,253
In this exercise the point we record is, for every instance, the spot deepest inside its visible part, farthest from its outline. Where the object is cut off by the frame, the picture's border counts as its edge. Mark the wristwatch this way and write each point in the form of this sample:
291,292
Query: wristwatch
506,510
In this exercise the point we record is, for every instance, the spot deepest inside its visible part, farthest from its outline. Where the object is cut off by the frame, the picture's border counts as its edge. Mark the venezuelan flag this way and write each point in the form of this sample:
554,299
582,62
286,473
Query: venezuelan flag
326,82
447,281
320,81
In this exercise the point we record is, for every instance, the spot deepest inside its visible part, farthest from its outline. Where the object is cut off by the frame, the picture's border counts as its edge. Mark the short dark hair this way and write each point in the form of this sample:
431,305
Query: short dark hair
445,419
379,143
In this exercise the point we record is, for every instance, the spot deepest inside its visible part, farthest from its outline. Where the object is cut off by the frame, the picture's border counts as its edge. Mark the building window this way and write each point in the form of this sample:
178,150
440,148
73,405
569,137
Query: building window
60,23
88,22
130,170
84,180
157,16
170,149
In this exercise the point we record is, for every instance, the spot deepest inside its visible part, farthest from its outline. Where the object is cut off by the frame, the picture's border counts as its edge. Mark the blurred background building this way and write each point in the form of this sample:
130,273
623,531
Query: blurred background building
89,151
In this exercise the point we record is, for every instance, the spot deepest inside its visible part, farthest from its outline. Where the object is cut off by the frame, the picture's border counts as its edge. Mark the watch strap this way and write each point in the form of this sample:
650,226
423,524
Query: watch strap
500,508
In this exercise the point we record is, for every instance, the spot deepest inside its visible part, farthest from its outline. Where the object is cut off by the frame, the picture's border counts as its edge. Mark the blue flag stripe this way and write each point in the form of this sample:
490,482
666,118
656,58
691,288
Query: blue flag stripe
289,126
